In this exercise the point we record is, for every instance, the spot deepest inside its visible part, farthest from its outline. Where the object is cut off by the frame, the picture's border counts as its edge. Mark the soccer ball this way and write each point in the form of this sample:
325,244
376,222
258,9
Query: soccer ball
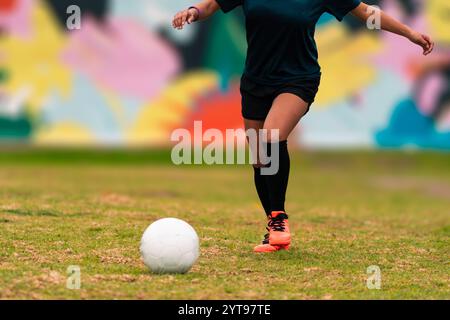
169,246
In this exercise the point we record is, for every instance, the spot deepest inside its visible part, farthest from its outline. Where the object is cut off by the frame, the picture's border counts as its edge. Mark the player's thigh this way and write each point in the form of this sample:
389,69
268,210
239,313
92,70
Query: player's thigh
253,124
286,112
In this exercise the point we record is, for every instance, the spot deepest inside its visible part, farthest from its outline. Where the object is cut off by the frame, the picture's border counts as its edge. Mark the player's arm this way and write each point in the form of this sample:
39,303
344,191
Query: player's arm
364,12
200,11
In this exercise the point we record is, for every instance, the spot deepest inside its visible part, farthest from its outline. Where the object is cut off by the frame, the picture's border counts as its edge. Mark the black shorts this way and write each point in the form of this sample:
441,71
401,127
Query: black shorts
258,99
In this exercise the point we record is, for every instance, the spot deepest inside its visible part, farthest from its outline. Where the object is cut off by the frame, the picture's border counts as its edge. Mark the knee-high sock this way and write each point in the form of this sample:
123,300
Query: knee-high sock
263,191
277,183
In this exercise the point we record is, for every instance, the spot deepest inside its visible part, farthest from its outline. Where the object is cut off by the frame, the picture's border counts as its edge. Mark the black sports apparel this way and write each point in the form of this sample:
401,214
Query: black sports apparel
282,54
257,99
280,36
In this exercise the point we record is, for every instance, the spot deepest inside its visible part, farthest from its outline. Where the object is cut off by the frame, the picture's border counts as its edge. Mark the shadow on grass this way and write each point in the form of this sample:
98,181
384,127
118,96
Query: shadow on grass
25,212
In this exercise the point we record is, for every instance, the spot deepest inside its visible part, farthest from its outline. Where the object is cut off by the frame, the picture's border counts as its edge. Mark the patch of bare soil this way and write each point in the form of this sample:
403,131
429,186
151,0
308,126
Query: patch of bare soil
430,187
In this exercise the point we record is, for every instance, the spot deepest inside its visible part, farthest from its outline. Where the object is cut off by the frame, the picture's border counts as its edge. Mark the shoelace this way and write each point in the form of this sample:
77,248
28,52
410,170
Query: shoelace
277,224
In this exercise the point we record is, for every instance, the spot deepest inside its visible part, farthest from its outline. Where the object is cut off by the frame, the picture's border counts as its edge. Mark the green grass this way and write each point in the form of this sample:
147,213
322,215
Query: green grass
348,211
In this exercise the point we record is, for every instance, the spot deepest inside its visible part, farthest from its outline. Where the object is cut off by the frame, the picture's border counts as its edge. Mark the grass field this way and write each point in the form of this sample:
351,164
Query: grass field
348,211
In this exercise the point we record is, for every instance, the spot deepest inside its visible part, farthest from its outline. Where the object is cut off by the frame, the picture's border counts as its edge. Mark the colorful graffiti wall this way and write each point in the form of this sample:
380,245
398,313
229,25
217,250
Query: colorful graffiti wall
126,78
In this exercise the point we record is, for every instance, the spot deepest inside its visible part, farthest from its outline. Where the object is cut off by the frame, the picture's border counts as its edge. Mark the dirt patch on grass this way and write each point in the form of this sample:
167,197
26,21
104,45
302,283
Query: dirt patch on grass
24,251
111,198
430,187
36,282
157,194
48,278
211,251
114,277
115,256
115,199
312,269
67,256
6,265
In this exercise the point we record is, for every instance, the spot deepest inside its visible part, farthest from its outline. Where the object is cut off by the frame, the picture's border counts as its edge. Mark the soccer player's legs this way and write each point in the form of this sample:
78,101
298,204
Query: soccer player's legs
286,112
260,182
260,185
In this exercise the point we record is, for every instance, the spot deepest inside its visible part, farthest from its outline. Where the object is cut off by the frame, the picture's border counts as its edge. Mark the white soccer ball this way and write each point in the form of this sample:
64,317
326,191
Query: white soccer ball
169,246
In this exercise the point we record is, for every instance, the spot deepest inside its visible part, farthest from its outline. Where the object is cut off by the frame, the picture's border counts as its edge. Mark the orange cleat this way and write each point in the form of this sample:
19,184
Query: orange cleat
266,247
279,233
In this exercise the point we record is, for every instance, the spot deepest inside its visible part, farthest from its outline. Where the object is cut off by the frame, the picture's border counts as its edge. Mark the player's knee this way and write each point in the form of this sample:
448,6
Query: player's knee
272,135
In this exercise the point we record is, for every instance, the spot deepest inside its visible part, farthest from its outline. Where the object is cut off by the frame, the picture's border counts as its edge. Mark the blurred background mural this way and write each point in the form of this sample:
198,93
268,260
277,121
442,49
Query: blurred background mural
127,79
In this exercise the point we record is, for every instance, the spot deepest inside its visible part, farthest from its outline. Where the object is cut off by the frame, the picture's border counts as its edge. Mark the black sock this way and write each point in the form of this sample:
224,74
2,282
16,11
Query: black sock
263,191
277,183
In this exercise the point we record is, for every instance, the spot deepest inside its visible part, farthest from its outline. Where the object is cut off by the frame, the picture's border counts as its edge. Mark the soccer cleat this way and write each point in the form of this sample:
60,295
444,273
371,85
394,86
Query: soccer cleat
279,233
266,247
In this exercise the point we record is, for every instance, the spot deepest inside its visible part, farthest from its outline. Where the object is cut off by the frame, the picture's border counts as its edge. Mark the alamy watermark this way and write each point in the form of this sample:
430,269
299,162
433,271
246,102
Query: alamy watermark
213,146
73,278
73,21
374,19
374,278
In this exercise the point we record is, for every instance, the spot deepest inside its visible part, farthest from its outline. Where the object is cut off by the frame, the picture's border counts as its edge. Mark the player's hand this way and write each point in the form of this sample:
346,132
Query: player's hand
422,40
186,16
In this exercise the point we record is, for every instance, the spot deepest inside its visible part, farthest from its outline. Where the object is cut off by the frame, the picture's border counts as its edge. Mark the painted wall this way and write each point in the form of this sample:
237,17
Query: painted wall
126,78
